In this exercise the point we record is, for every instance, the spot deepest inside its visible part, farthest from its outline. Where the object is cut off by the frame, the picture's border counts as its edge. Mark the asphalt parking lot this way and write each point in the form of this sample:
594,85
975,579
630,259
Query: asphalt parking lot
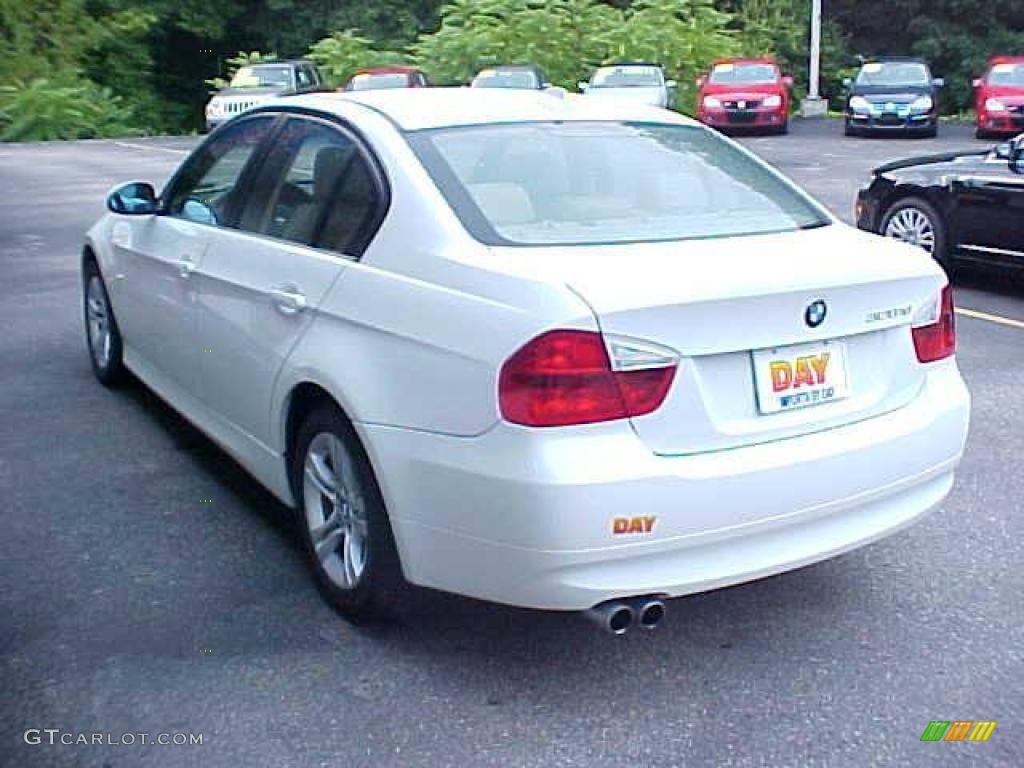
147,585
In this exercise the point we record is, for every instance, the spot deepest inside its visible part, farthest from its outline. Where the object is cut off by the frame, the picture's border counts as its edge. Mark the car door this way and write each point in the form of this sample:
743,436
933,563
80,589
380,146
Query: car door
989,211
158,286
262,283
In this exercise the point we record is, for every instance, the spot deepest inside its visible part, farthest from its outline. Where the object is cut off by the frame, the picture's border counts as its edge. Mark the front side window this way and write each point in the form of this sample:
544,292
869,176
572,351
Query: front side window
627,77
316,189
579,183
206,190
743,74
894,73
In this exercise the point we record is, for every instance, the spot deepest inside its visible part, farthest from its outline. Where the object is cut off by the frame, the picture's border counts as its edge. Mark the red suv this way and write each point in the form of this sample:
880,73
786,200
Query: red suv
744,93
386,77
999,97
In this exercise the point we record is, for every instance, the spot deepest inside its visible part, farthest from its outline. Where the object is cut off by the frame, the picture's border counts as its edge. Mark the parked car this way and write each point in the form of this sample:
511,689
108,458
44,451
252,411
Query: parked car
966,206
636,82
893,95
378,78
256,84
519,76
744,93
999,97
544,352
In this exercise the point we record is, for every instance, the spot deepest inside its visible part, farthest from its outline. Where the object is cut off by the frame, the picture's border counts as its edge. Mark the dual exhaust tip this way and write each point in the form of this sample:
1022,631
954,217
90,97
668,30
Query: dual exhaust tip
617,617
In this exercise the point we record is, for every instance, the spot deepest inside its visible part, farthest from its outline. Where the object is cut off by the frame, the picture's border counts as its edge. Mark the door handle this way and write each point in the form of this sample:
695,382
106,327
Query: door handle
288,300
186,267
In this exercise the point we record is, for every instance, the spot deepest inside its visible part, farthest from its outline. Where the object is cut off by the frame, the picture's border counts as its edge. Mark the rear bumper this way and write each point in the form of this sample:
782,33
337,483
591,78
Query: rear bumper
526,517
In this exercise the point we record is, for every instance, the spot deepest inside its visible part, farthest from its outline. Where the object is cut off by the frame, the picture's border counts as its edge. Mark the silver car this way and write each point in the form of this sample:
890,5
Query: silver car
634,82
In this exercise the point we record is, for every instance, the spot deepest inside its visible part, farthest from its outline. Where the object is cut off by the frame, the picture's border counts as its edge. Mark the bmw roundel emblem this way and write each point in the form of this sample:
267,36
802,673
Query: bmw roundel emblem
815,314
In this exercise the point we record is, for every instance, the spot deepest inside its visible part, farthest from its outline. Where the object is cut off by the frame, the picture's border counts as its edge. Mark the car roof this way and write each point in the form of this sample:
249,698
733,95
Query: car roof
397,69
413,109
278,62
894,59
1006,60
746,60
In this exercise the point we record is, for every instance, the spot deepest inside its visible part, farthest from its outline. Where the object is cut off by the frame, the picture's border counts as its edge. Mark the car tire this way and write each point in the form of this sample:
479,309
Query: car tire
981,133
783,129
102,334
908,214
849,130
344,526
931,133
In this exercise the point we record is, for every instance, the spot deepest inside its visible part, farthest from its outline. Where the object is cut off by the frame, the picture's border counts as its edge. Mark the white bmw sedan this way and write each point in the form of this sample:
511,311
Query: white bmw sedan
550,352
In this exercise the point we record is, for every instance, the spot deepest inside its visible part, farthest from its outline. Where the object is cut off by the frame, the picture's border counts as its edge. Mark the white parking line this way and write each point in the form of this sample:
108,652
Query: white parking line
975,314
148,147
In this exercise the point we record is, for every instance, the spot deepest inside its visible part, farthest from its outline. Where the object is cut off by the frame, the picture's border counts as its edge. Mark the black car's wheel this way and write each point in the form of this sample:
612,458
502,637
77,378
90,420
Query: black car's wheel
931,133
914,220
849,130
102,334
345,529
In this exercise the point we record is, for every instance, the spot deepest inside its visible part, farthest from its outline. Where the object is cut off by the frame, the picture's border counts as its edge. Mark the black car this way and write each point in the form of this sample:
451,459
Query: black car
893,95
967,206
519,76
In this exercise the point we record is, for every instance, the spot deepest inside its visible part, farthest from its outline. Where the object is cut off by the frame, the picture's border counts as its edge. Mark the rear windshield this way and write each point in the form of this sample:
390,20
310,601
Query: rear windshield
745,74
508,78
1006,74
580,183
894,73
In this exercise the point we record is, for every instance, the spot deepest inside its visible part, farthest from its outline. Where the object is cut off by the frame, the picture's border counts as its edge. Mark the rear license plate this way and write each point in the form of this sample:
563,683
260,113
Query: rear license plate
800,375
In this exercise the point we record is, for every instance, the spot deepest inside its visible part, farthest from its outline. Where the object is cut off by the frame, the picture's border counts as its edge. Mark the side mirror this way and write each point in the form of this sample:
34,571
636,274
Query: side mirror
699,82
847,82
787,81
135,199
583,86
671,84
939,82
976,82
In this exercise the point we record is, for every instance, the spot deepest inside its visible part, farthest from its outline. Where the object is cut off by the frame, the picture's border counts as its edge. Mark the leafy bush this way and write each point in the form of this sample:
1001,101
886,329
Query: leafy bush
41,110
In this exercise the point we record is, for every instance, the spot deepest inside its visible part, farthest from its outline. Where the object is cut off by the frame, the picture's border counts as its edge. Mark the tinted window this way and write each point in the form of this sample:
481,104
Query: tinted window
370,82
316,189
278,76
304,77
206,189
1007,74
506,78
627,77
894,73
578,183
746,74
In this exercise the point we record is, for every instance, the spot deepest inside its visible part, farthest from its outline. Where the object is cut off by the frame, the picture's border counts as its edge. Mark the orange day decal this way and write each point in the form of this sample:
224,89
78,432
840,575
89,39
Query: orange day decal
621,525
807,371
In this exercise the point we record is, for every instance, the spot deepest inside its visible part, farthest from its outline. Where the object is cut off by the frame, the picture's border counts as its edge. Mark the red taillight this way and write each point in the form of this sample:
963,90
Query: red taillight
937,340
565,377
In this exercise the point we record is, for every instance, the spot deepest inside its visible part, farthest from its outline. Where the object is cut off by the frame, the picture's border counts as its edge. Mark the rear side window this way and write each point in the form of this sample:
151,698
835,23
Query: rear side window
595,183
316,189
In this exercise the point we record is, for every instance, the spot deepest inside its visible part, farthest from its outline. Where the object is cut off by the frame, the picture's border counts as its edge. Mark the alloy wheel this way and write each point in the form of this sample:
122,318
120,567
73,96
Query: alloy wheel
98,316
912,225
335,510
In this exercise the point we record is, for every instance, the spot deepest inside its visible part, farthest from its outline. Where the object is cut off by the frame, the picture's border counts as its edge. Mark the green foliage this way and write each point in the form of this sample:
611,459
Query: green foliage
341,54
235,63
41,110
